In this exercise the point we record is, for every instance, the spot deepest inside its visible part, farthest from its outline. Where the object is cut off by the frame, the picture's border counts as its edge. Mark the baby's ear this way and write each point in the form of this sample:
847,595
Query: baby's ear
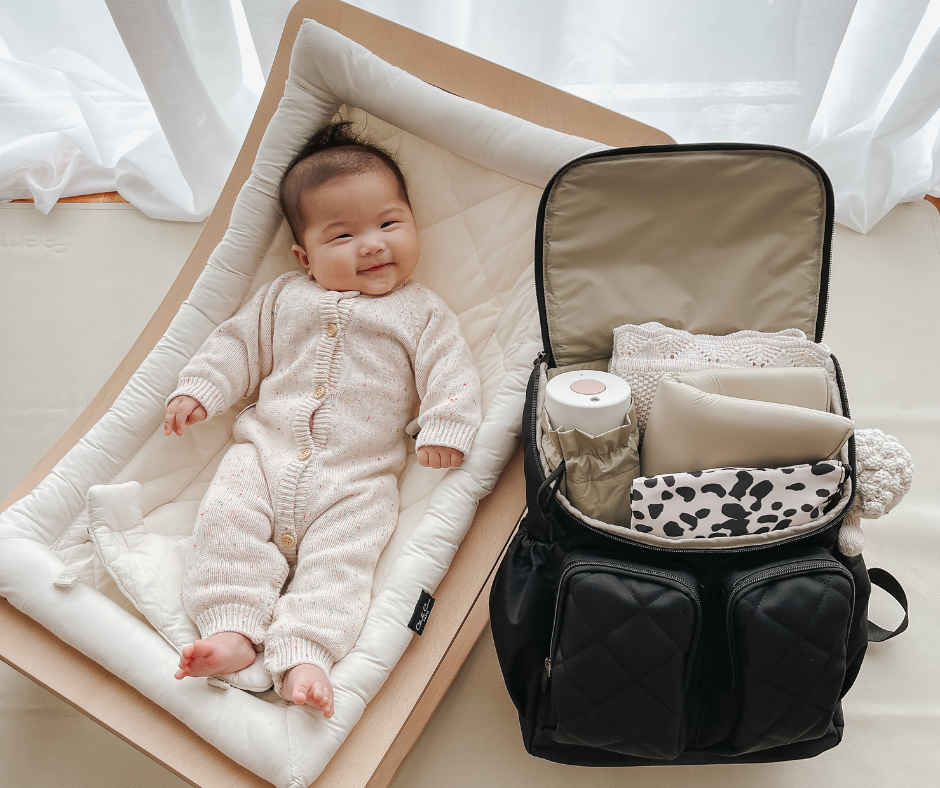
301,255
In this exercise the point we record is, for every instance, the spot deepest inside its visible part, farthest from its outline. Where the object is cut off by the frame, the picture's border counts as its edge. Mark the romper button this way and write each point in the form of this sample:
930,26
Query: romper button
331,330
319,391
287,540
304,455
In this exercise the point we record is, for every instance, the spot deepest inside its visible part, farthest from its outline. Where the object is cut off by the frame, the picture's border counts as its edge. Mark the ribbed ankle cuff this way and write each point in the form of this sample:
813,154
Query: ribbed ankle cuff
283,653
249,621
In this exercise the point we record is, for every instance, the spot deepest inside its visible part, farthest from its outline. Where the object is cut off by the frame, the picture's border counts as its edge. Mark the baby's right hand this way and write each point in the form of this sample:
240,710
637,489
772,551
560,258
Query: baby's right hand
181,413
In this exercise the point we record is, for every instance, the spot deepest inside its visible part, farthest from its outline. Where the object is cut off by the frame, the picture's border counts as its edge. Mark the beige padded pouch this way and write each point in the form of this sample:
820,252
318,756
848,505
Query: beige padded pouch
805,387
599,471
691,430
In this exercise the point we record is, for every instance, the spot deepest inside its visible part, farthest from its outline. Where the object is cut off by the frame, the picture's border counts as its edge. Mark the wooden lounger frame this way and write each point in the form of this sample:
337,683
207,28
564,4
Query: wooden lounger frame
394,720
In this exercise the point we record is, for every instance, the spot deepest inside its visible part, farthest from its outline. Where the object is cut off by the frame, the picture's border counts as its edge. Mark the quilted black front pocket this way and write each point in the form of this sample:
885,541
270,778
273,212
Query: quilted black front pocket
623,642
788,625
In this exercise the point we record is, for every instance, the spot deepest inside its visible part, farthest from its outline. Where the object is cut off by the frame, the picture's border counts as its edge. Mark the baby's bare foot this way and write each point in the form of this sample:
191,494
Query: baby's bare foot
225,652
308,684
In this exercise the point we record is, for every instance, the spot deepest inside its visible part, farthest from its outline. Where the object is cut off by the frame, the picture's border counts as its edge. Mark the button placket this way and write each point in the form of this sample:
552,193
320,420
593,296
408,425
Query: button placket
333,318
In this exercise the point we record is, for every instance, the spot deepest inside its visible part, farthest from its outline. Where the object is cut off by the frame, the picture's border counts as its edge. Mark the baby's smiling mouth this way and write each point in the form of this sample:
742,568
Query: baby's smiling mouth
377,267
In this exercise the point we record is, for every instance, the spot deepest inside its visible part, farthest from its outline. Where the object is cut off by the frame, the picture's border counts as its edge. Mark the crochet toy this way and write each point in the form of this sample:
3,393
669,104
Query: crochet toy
884,472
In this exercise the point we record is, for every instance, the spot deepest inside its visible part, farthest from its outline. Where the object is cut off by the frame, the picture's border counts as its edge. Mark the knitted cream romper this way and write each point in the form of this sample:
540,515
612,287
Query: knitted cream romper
311,487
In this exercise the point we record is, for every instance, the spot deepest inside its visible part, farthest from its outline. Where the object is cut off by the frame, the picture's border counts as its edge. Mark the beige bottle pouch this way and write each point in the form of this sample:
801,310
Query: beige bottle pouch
599,471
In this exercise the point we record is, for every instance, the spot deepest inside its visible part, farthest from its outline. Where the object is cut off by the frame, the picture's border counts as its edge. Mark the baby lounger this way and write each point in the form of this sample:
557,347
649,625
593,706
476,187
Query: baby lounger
475,176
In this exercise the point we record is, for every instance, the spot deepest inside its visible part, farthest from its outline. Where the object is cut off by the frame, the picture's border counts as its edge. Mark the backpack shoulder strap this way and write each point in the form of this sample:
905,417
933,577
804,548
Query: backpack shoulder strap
887,582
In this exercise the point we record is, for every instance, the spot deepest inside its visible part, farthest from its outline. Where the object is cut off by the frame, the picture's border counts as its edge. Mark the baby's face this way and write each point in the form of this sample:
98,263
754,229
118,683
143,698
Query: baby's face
360,234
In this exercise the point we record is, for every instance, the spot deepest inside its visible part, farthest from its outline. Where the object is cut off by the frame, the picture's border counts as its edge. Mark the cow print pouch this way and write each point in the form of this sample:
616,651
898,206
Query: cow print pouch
735,501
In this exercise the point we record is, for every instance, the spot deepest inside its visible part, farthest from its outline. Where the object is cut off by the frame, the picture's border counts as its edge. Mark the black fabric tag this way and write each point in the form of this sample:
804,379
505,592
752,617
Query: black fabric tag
422,610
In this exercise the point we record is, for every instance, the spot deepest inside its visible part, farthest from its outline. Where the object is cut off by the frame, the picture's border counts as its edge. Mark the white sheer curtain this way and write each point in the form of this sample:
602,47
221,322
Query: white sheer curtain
856,85
151,98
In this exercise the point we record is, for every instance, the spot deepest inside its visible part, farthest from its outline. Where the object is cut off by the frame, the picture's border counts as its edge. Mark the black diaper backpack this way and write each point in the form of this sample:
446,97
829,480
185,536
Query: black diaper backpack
623,651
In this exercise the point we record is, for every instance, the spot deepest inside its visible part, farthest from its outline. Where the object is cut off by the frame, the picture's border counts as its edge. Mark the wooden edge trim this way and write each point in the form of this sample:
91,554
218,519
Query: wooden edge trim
97,197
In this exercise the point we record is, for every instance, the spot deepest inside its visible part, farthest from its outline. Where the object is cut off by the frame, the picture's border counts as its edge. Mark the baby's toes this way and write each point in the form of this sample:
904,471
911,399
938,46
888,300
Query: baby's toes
183,671
323,699
200,649
300,694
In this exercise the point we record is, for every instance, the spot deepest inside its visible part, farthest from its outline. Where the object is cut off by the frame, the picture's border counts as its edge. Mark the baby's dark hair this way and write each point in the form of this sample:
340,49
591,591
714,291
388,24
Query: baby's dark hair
334,151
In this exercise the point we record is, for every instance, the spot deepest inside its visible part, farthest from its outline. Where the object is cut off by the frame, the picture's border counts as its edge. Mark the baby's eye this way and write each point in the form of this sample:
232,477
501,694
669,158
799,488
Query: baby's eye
344,235
388,224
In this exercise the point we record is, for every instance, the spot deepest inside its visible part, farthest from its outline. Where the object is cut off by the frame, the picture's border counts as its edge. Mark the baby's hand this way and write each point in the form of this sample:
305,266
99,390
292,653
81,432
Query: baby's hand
181,413
439,457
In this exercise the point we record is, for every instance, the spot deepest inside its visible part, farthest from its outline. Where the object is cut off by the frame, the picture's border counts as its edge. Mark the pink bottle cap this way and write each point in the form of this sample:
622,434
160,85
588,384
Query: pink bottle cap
588,386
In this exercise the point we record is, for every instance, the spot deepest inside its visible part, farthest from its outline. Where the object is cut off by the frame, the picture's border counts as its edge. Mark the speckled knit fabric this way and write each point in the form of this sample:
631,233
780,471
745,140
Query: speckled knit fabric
643,354
312,486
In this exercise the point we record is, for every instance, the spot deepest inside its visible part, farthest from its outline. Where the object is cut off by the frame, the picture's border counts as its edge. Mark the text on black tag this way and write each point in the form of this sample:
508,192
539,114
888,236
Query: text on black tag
422,611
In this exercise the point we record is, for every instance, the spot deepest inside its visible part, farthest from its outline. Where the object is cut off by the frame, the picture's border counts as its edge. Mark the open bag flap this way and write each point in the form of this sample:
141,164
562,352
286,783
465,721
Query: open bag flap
712,239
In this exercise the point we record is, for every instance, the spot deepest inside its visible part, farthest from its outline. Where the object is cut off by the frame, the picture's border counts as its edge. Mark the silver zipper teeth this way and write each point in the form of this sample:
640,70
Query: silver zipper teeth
767,574
607,565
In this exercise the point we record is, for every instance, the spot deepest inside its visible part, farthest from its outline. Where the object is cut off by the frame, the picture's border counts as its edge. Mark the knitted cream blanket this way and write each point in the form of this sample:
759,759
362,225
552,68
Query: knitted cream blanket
643,354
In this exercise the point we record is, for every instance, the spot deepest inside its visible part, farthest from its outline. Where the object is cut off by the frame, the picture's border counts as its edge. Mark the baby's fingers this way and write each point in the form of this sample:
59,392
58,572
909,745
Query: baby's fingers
182,414
439,457
169,422
199,414
178,414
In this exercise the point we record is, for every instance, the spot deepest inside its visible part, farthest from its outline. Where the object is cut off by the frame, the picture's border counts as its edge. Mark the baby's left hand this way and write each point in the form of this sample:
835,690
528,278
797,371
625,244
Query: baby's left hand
439,457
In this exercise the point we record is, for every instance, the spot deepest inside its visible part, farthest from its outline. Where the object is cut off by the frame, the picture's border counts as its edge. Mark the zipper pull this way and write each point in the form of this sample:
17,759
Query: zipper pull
548,666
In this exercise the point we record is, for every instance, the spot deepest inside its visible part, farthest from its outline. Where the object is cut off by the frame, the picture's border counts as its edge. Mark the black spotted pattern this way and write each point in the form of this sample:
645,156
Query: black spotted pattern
735,501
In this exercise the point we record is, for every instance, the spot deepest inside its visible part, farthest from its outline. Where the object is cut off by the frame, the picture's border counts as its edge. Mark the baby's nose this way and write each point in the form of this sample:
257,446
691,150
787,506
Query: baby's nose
372,243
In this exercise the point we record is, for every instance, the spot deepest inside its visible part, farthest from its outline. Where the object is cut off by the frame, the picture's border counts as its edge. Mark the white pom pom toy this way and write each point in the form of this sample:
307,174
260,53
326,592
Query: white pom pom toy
884,472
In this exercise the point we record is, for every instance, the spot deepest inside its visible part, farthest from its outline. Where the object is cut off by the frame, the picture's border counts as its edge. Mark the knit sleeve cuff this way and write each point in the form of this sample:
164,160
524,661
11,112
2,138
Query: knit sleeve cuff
283,653
251,622
453,434
203,392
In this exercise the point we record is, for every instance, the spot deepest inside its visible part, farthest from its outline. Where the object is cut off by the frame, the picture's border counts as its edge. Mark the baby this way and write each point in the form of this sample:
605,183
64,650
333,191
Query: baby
294,521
